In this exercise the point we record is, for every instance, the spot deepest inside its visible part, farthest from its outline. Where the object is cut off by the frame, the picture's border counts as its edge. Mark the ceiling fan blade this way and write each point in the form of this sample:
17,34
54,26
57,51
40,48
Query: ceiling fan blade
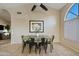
33,8
43,7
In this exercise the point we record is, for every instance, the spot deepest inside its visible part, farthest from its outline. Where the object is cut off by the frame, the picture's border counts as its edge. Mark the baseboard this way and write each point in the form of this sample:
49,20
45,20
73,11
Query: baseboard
70,46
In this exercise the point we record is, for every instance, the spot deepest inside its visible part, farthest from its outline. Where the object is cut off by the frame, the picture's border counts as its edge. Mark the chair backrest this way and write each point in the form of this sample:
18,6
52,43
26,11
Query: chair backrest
22,36
42,39
32,40
53,38
25,38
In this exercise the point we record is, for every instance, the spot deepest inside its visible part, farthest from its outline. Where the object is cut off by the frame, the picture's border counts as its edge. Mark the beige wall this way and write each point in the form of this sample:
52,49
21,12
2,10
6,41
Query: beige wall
20,23
68,43
3,22
71,30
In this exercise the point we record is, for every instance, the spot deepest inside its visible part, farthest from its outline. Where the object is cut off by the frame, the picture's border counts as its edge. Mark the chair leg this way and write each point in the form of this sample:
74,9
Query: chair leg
39,50
51,47
45,48
23,47
35,48
30,47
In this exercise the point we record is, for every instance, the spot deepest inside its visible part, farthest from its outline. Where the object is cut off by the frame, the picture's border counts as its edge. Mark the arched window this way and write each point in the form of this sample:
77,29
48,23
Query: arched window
71,26
73,12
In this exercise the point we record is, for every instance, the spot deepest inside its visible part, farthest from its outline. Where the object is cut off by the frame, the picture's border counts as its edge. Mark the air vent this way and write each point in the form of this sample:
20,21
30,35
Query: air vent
19,12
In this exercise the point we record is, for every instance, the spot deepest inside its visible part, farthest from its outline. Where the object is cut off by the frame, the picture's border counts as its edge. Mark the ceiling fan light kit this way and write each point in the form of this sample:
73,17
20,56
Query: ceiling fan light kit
41,5
33,8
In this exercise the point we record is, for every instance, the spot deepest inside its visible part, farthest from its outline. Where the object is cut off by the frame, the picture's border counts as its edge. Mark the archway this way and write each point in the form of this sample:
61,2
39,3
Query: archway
5,21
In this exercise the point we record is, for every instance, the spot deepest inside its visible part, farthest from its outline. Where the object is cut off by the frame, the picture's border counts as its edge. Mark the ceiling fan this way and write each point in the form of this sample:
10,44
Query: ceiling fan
41,5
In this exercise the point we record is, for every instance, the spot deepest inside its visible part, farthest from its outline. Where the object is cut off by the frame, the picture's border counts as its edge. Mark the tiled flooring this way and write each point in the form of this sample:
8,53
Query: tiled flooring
4,41
15,50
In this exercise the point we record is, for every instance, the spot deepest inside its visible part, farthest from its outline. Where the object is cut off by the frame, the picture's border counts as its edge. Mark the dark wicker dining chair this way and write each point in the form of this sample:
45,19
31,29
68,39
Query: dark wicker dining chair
52,40
25,40
51,44
31,44
43,43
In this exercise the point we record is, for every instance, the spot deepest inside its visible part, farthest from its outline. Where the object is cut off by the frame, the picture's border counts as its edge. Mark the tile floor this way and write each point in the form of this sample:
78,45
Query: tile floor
15,50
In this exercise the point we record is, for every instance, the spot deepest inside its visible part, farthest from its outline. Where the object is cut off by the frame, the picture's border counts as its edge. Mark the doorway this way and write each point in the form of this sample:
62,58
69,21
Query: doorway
5,24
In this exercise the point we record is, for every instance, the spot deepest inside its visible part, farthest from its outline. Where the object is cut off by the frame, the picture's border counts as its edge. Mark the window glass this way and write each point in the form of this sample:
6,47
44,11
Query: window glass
70,16
74,9
73,12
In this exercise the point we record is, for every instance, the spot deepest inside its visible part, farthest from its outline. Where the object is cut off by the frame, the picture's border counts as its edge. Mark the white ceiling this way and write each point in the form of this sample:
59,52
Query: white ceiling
5,15
57,6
